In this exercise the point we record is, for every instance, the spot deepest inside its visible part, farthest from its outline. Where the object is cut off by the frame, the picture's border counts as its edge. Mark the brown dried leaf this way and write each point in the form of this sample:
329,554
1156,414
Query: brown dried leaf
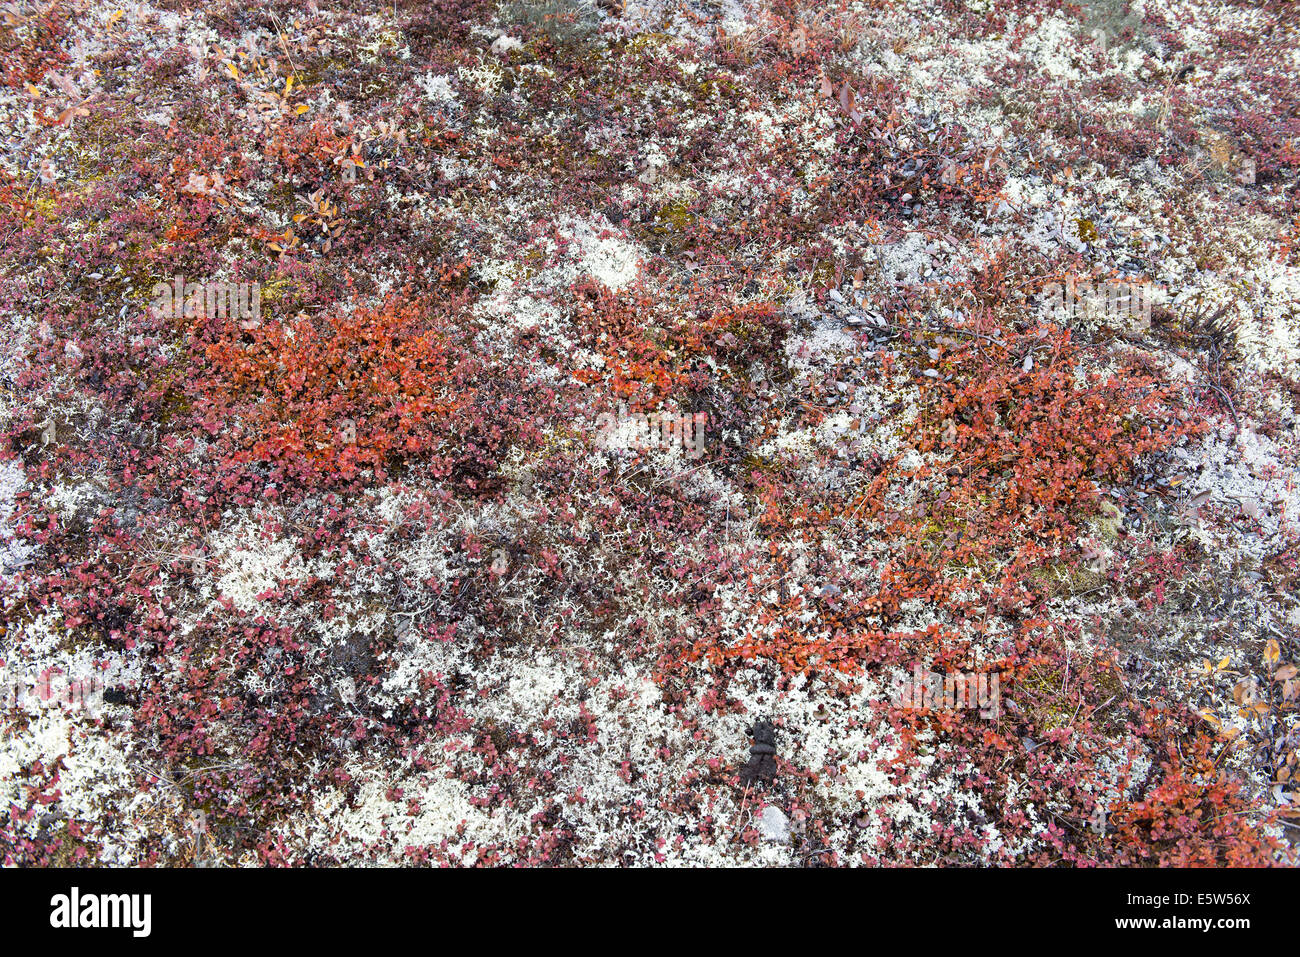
1241,692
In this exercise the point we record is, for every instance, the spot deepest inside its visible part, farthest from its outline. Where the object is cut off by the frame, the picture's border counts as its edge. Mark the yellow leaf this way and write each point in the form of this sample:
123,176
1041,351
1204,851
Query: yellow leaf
1272,652
302,108
234,70
1211,717
115,16
1222,664
288,84
32,90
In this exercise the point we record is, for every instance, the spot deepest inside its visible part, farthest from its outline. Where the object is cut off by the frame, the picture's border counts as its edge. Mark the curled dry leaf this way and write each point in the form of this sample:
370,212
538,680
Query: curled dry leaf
1243,692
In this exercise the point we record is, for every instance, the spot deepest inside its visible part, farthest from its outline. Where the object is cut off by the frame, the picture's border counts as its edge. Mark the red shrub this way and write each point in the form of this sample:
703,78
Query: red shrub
365,390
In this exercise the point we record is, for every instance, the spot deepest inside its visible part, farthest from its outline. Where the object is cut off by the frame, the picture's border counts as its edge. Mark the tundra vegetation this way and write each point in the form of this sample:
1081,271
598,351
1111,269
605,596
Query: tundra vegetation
372,588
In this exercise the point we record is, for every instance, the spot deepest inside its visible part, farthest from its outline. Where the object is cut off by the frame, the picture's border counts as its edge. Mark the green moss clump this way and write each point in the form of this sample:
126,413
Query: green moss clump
671,227
716,86
823,274
676,217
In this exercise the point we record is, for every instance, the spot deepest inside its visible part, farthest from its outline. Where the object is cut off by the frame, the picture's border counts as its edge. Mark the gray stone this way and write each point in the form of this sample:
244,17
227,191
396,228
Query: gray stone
774,825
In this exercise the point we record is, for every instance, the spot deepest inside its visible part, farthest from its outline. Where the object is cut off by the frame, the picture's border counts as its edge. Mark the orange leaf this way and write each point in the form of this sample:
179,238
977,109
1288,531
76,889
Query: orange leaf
1272,652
